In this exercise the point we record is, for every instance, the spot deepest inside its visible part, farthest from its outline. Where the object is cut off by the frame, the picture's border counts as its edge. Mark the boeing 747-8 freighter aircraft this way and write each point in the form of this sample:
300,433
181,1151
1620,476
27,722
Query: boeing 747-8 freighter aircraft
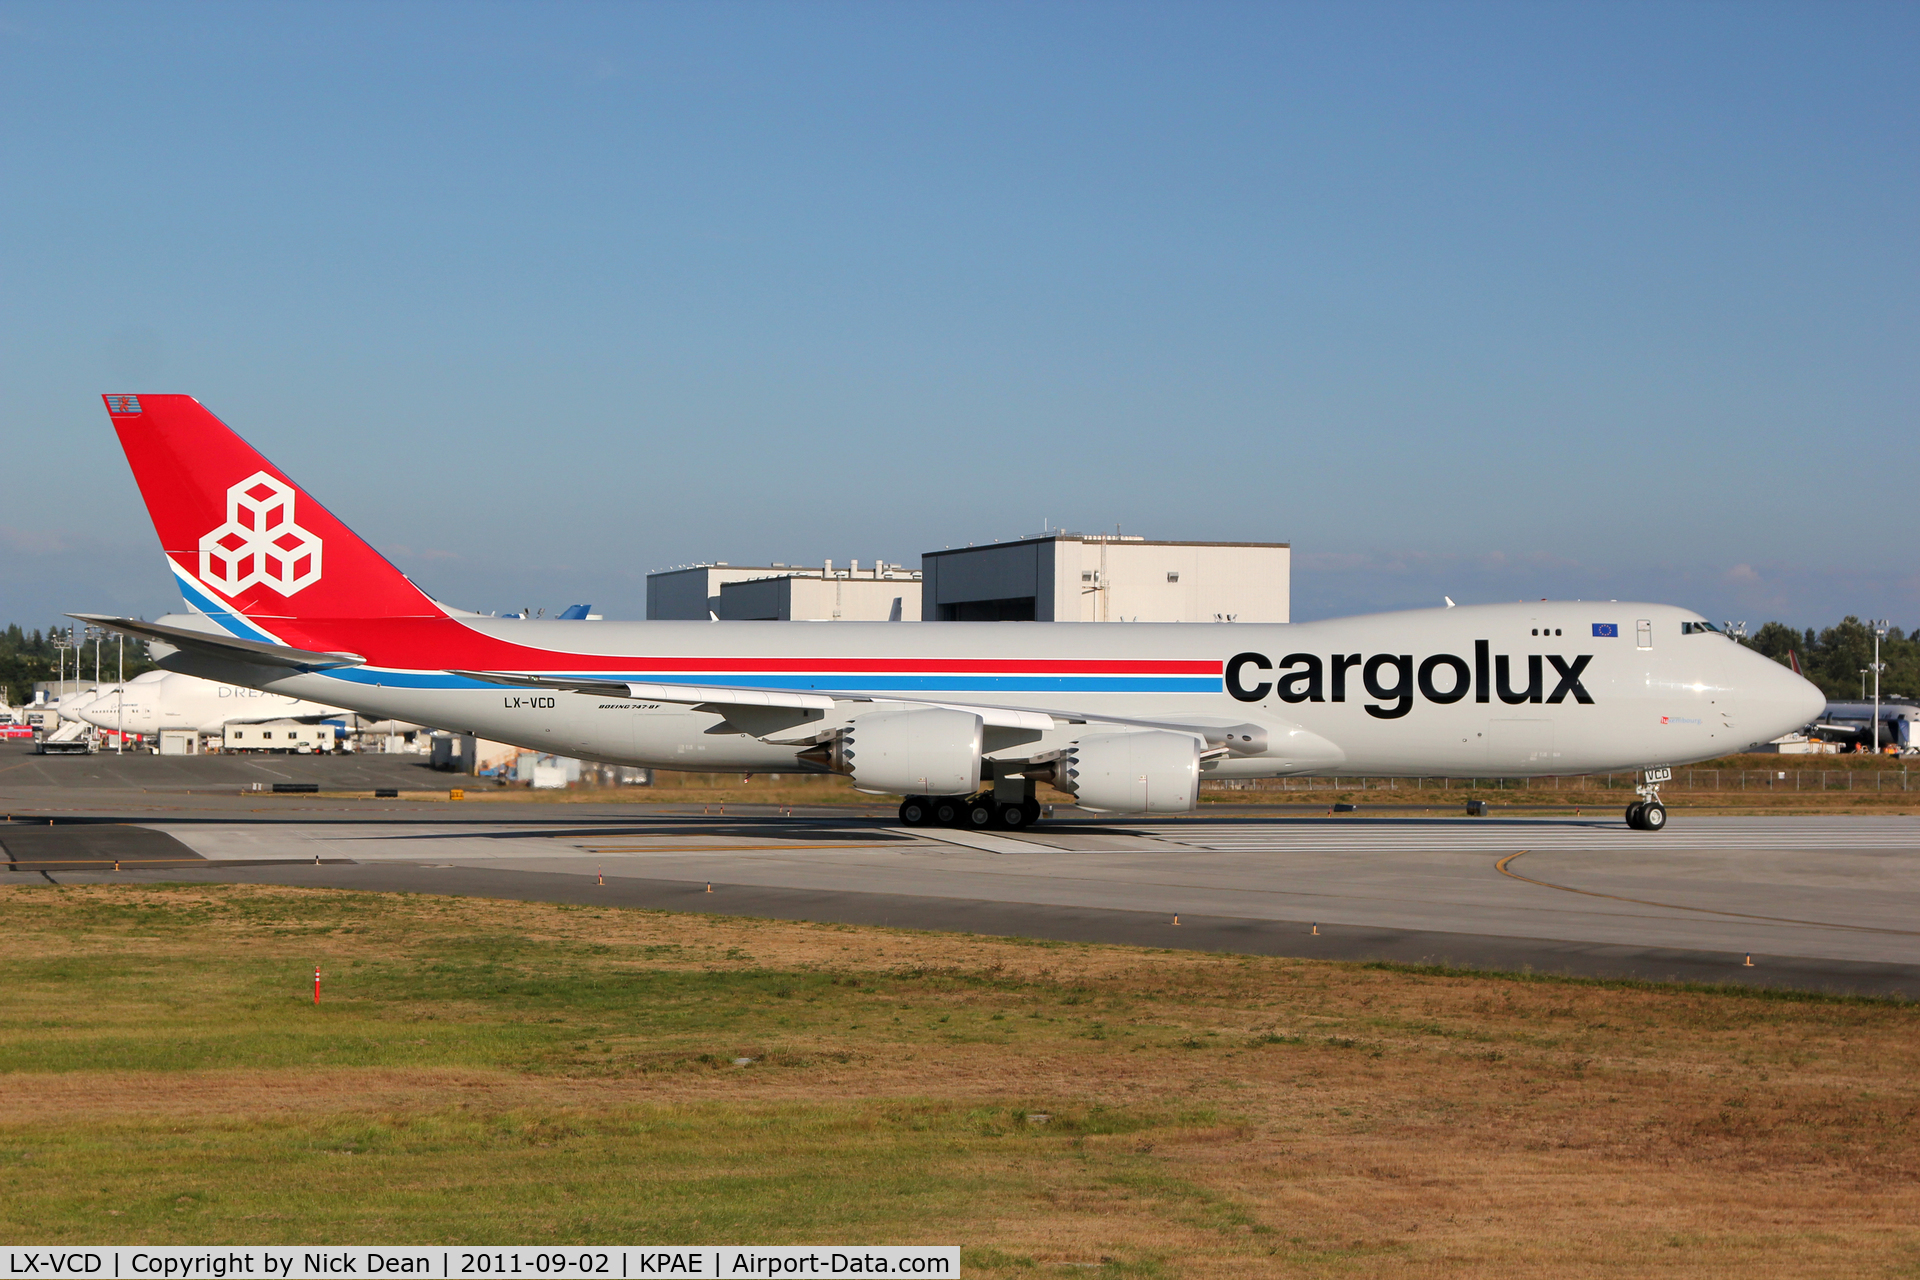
961,719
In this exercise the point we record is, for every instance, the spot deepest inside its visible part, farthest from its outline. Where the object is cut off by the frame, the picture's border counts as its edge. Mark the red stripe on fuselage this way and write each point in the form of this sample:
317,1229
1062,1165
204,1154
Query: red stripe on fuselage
439,644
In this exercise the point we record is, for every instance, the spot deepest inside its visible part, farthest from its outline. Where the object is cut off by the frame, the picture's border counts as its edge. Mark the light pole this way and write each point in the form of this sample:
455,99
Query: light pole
120,702
62,641
1879,626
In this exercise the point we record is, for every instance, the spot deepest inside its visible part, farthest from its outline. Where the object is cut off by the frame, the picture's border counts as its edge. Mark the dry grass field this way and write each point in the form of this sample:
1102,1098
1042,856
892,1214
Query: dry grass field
515,1072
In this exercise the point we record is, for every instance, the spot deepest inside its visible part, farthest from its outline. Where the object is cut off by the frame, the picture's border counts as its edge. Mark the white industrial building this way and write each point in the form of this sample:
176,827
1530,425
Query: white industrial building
880,592
693,591
1106,577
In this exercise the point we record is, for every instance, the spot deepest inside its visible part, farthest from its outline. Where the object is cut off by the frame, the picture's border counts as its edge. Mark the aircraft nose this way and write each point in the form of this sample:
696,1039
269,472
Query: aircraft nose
1778,701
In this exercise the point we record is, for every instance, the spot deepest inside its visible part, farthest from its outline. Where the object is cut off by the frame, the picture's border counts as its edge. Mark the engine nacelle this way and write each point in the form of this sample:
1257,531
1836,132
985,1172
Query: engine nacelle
1151,771
926,751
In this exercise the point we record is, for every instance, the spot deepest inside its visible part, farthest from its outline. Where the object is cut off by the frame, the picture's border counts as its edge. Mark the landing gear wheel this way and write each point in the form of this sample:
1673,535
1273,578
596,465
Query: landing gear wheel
946,811
1032,808
1653,816
1015,817
1633,813
915,811
977,813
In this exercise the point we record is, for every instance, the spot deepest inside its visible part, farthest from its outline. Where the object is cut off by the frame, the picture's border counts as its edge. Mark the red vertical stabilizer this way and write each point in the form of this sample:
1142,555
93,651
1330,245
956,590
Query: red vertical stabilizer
239,534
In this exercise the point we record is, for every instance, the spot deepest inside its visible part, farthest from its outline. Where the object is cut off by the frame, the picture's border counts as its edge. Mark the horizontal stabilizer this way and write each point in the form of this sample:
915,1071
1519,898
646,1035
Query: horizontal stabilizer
232,648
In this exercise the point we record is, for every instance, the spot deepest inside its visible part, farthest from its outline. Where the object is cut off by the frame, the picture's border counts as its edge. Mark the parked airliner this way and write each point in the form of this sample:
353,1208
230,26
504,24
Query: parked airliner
160,700
962,719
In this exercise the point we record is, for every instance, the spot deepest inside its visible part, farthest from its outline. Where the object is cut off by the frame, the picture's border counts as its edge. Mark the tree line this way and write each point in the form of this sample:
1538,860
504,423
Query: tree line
30,656
1834,658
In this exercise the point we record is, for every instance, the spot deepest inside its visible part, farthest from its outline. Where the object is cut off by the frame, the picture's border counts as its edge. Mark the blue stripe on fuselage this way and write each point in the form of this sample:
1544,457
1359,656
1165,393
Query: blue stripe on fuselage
406,679
836,684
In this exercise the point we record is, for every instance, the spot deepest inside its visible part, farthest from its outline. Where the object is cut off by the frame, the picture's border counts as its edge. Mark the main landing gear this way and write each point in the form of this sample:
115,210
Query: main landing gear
1647,813
979,812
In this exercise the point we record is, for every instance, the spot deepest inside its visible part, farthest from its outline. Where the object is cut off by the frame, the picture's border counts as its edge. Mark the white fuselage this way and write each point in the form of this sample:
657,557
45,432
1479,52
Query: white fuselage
1415,693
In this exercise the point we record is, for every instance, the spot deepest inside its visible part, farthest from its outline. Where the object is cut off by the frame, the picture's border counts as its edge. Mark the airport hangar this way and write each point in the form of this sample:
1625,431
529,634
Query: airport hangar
1051,577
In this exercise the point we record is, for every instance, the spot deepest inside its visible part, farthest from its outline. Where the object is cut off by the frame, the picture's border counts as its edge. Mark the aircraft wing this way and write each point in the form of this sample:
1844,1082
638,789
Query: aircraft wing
722,697
259,652
1223,737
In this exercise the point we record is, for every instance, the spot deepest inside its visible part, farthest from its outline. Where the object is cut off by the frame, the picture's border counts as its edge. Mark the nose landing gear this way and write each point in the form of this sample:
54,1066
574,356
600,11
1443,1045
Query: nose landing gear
1647,813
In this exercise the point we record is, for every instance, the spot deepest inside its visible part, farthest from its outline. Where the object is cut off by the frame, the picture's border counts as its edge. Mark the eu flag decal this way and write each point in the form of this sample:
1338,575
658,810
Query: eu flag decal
1606,629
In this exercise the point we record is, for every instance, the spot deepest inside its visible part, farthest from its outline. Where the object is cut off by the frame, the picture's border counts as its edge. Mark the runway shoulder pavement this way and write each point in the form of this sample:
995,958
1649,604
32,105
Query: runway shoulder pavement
1820,903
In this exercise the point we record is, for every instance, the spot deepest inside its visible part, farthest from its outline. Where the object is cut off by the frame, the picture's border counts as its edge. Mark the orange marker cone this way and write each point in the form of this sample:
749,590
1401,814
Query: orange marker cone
709,886
600,875
1316,929
1176,919
1749,963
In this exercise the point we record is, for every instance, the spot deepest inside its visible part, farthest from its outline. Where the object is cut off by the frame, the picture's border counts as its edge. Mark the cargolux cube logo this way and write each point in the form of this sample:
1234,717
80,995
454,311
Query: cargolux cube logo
259,543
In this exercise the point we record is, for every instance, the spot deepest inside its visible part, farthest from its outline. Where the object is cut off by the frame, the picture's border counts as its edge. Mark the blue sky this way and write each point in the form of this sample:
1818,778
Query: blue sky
1495,301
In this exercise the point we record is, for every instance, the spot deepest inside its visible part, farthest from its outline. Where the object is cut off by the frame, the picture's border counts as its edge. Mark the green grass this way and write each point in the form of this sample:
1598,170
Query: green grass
487,1072
514,1003
191,982
713,1172
425,996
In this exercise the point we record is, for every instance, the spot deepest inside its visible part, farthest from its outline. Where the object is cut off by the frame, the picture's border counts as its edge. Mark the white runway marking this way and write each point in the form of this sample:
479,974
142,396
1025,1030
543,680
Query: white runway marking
1386,835
983,840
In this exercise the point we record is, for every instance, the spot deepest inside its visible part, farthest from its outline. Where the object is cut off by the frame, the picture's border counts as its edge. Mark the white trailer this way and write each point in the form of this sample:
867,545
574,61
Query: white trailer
278,735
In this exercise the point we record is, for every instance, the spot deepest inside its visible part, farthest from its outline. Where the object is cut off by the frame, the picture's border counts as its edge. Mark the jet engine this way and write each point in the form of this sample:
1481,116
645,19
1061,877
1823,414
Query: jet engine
1148,771
923,751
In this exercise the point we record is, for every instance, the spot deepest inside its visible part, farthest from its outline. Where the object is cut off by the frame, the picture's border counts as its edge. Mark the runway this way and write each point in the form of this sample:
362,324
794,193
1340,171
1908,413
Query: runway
1818,902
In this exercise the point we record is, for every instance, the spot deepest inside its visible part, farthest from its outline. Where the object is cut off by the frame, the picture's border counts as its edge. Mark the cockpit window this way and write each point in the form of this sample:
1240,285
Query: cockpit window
1694,628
